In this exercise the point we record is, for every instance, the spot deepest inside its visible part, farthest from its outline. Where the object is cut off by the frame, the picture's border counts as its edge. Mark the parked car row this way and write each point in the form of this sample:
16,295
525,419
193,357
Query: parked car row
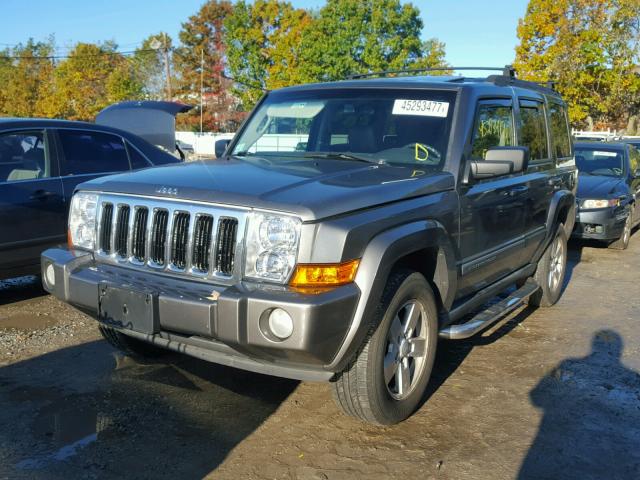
43,161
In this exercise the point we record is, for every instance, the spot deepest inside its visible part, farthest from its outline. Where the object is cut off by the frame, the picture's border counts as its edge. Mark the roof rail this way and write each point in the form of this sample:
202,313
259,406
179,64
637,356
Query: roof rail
507,71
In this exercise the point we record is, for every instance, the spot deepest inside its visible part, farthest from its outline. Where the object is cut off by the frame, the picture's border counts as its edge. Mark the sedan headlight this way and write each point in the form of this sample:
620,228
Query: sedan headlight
271,246
589,204
82,220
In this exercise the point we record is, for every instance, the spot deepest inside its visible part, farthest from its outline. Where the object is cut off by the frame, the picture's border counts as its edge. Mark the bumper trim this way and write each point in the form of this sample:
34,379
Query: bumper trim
224,355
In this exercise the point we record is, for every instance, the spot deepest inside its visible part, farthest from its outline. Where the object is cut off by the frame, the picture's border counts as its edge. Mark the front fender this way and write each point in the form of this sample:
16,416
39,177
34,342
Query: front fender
379,257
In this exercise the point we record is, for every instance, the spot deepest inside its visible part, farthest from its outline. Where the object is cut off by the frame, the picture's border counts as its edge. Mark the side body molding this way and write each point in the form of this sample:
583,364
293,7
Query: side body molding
378,259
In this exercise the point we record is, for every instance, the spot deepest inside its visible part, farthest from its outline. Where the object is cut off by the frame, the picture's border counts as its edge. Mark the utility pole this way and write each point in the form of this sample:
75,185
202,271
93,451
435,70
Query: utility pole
167,67
201,86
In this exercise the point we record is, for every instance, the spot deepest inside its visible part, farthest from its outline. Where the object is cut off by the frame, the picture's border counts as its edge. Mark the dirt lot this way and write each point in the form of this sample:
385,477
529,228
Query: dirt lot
546,394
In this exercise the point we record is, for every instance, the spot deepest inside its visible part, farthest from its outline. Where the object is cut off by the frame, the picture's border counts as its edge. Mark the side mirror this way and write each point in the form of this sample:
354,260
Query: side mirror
221,146
501,161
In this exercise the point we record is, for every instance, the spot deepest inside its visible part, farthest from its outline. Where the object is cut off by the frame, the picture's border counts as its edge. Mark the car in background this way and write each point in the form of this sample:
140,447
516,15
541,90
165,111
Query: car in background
635,141
41,162
186,150
608,186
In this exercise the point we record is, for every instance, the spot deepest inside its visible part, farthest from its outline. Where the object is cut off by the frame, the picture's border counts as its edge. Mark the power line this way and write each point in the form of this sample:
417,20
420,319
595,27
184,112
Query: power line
60,57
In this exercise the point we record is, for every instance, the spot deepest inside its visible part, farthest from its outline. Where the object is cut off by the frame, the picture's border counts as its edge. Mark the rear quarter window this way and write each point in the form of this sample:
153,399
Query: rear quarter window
559,127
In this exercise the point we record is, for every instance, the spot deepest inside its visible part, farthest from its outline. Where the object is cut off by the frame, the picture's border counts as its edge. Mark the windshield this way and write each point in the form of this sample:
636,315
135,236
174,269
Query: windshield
390,126
599,161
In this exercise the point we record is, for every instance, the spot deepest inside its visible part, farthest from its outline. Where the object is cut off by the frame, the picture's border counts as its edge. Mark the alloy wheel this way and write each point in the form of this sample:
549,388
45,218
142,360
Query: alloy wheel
556,264
406,350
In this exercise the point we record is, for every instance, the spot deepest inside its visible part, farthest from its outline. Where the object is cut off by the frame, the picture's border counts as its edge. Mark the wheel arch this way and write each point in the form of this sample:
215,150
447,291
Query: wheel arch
423,246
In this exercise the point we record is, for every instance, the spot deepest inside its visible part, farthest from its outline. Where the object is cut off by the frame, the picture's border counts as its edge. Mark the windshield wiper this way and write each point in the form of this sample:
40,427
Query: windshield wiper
338,156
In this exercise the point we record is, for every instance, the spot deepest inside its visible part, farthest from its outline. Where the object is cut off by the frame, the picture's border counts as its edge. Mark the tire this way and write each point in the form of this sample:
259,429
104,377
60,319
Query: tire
623,242
551,271
361,389
131,347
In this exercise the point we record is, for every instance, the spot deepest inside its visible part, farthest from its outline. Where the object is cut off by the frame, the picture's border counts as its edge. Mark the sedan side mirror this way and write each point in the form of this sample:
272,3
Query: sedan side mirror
500,161
221,146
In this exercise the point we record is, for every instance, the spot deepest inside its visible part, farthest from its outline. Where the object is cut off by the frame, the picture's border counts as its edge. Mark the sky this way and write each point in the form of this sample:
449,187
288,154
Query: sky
475,33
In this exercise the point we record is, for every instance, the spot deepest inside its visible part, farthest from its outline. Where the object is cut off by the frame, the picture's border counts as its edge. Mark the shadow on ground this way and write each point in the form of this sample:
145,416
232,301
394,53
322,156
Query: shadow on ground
88,412
14,290
591,417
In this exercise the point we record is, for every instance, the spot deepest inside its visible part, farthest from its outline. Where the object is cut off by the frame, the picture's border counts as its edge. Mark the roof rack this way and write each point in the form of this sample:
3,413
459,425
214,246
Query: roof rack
507,71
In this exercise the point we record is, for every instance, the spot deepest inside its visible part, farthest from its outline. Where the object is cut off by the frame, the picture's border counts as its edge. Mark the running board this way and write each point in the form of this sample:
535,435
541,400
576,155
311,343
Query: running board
491,315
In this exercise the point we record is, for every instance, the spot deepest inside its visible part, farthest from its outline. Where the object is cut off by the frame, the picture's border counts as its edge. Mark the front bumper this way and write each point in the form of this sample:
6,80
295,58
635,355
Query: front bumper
604,224
221,324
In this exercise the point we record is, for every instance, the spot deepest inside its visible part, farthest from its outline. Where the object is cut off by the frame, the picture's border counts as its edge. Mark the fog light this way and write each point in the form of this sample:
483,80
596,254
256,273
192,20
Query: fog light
50,275
280,323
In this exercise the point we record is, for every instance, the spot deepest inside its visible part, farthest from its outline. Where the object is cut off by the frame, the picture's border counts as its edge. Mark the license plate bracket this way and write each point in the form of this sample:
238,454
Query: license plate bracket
128,308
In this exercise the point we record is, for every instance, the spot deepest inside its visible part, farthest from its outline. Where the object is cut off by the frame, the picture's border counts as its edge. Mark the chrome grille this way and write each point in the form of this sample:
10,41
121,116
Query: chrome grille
178,238
227,228
105,225
122,230
159,237
202,243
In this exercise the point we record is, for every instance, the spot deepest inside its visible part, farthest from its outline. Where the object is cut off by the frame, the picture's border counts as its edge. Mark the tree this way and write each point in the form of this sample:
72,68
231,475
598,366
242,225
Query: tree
149,64
367,36
589,48
25,72
201,60
91,78
264,47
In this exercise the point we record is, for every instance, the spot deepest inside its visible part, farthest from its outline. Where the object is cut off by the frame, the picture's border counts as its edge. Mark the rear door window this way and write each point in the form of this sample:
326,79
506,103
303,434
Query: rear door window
87,152
493,128
24,156
533,130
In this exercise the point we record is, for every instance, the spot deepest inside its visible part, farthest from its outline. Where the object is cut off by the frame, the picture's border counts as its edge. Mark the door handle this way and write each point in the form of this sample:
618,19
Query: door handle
41,195
519,189
554,182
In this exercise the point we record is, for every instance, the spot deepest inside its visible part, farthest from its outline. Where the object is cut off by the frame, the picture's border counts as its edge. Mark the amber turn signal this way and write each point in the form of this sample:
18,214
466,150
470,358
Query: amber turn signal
324,274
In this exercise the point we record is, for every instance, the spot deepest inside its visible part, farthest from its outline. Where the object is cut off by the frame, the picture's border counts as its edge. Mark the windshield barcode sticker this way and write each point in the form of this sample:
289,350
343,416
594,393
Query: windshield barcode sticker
425,108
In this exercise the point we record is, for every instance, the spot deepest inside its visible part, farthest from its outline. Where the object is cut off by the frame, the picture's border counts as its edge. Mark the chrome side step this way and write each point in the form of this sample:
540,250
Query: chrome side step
491,315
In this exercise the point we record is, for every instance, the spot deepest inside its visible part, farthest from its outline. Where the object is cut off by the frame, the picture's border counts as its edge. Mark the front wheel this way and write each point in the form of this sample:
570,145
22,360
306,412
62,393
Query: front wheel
386,381
550,272
623,242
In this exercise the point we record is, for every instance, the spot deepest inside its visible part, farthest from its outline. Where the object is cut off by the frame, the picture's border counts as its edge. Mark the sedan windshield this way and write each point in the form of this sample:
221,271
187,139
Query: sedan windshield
377,126
599,161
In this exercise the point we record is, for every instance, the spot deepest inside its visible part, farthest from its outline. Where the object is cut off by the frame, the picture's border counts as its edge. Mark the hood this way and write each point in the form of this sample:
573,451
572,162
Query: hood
597,186
155,121
311,189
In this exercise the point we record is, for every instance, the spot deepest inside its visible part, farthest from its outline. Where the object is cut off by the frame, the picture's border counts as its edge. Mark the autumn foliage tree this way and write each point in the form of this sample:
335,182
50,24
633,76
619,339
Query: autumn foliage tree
272,44
25,74
200,64
591,49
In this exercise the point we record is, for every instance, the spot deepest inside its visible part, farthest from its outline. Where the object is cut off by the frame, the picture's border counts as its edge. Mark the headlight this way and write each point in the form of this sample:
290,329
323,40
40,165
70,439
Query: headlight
271,246
82,220
613,202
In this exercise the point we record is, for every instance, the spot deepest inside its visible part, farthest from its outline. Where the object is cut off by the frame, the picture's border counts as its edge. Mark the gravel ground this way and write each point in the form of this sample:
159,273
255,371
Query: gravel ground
549,393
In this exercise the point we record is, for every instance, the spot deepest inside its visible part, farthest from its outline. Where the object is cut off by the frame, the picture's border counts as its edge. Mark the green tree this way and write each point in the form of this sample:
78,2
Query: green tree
200,62
367,36
590,49
264,46
25,72
149,64
91,78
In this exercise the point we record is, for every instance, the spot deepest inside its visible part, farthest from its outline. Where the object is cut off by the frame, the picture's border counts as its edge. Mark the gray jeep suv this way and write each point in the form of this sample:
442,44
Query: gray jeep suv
348,226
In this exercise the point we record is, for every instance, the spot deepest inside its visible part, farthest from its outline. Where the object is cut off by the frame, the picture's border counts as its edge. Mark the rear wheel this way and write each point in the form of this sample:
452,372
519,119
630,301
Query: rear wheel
130,346
623,242
550,272
386,381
